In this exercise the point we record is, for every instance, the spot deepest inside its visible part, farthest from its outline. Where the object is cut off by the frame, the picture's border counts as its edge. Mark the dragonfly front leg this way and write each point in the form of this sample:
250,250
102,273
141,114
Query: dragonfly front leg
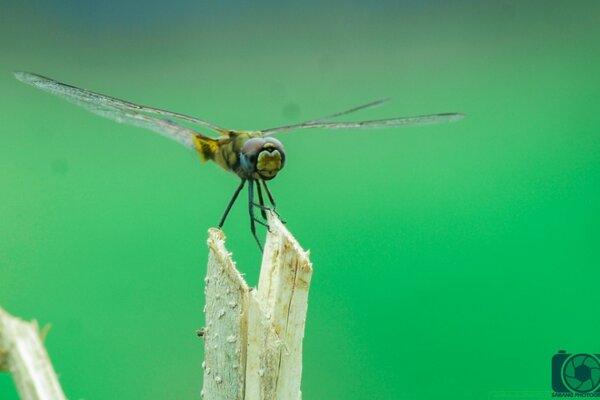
251,206
269,195
233,198
263,208
272,200
261,202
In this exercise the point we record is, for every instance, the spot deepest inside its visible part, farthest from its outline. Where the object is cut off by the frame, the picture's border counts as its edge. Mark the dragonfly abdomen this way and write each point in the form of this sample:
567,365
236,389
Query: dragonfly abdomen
206,147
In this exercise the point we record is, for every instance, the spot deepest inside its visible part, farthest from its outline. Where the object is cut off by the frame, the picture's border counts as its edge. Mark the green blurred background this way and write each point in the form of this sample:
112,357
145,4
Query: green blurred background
451,261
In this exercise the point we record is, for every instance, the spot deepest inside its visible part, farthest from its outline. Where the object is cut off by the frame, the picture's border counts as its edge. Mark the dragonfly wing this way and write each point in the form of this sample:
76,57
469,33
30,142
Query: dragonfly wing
119,110
372,104
164,126
377,123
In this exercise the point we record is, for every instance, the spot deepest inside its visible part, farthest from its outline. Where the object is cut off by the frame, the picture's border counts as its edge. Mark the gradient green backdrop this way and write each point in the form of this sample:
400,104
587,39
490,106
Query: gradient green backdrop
451,261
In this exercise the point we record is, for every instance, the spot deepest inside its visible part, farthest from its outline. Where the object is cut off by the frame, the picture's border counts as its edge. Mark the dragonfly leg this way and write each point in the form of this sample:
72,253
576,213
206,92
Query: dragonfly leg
258,221
262,207
261,201
269,195
251,210
233,198
272,200
263,210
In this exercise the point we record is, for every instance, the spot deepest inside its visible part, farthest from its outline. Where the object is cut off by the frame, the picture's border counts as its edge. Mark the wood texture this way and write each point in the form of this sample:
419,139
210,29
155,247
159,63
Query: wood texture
262,360
23,354
225,331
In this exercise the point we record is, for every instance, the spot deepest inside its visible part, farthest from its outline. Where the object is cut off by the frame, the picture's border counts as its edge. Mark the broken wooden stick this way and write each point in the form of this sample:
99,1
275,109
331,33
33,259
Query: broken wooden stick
253,337
22,354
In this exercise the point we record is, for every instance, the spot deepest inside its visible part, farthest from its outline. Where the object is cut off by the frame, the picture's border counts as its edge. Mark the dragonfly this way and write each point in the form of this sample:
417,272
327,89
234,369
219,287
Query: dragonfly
253,155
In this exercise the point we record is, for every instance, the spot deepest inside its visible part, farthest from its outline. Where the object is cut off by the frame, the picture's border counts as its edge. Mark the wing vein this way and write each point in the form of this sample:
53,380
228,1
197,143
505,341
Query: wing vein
122,111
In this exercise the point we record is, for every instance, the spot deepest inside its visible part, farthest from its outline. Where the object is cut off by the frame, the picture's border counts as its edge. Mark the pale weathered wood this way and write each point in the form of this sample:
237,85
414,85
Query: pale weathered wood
23,354
268,323
225,331
277,317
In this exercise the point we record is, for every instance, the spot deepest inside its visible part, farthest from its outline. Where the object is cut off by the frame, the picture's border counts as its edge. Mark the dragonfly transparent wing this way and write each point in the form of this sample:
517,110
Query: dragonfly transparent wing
378,123
120,110
372,104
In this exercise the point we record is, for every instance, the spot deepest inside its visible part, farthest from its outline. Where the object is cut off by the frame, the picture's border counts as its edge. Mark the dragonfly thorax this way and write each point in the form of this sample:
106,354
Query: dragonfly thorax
262,158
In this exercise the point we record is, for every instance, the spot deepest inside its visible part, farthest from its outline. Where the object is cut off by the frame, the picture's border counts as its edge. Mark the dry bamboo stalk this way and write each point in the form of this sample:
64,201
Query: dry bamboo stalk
265,360
23,354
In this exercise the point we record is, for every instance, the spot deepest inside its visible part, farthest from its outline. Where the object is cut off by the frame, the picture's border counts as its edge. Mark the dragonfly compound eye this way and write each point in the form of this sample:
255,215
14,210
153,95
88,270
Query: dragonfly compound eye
249,154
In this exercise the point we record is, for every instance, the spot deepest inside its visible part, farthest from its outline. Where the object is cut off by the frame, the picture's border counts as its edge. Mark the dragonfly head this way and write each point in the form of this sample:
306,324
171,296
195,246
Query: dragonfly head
262,158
